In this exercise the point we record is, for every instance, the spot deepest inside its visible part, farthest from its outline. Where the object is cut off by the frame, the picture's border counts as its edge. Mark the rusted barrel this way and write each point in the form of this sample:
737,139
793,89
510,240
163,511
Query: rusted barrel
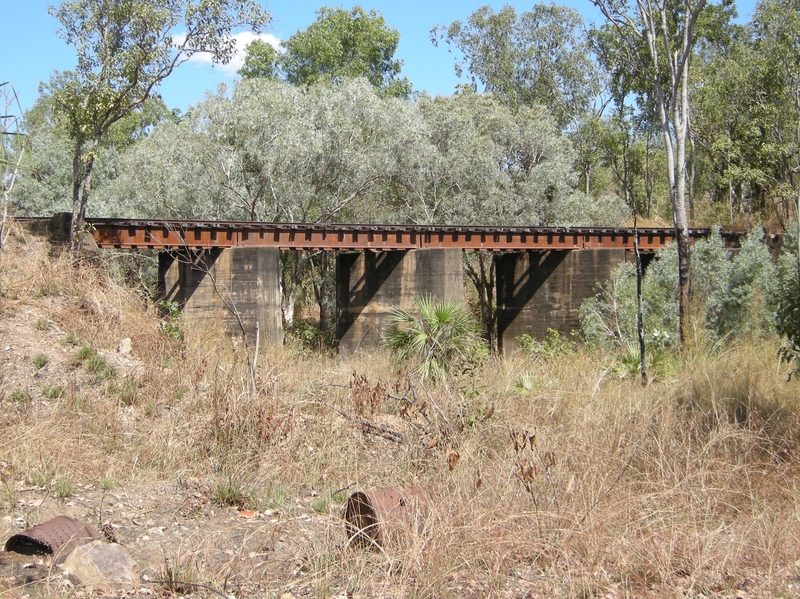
58,537
384,516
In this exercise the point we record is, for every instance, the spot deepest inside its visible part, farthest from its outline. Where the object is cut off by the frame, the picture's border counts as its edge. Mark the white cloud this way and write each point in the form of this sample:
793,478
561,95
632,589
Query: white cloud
242,39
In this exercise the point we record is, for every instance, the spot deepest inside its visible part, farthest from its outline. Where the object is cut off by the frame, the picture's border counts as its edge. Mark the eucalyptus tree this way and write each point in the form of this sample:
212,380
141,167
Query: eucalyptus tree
541,56
492,165
126,48
271,151
666,32
776,30
13,150
340,44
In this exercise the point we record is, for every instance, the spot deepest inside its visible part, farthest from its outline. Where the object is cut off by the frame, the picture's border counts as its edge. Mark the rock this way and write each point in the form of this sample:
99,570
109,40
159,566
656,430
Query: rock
100,563
125,347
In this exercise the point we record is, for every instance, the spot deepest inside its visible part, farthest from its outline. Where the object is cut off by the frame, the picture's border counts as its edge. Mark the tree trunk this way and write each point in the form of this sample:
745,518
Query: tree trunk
81,187
484,280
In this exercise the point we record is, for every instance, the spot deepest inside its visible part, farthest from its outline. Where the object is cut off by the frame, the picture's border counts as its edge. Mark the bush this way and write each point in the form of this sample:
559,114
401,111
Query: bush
439,336
736,297
553,346
787,296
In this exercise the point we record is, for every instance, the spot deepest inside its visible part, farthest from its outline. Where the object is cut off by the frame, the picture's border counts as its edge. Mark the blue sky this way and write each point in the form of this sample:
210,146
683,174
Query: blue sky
31,50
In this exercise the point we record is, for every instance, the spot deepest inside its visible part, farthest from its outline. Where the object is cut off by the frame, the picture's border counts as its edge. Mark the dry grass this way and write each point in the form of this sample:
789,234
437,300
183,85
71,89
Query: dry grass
552,479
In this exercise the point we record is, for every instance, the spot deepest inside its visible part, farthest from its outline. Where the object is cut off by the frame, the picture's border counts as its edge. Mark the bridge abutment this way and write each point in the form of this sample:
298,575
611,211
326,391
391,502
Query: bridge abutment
537,291
369,284
231,289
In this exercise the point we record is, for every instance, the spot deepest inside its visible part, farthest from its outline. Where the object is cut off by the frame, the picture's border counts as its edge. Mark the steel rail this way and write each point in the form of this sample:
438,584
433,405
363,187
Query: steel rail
183,234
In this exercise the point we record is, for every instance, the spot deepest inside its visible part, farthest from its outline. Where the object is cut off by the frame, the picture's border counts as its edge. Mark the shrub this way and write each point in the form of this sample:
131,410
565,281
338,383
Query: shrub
172,322
734,296
553,346
439,336
787,299
744,302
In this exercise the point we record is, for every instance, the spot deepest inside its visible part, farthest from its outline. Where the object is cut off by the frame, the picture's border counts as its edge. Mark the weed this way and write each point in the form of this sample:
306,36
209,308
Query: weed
108,484
42,324
53,392
277,497
320,505
172,323
99,367
178,575
230,492
49,290
84,353
63,488
40,361
127,391
70,339
20,396
41,477
525,382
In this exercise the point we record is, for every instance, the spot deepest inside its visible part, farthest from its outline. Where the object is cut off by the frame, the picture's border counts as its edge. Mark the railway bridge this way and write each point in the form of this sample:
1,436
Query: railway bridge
227,274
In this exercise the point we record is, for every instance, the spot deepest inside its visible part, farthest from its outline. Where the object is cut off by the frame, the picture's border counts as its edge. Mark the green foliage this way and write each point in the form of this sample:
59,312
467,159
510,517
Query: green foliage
228,491
277,497
125,50
84,353
539,57
20,396
171,323
735,296
53,392
261,60
339,45
99,367
127,391
788,301
306,334
440,337
40,360
42,477
745,302
554,345
63,488
70,339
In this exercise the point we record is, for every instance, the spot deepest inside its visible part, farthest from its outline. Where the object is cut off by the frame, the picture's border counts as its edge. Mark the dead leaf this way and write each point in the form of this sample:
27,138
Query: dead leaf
452,459
434,443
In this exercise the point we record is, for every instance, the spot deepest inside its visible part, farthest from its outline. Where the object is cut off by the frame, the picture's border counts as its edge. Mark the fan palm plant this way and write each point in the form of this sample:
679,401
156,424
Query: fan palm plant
440,334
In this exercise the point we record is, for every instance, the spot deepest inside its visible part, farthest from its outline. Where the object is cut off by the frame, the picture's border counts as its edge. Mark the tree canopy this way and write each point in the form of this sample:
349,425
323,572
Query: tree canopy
126,48
339,44
538,57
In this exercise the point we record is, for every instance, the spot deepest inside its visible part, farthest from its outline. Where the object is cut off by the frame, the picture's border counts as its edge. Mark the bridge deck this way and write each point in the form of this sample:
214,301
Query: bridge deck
174,234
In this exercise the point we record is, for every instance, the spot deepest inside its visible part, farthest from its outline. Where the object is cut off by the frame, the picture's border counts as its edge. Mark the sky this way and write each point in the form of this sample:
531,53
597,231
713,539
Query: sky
31,48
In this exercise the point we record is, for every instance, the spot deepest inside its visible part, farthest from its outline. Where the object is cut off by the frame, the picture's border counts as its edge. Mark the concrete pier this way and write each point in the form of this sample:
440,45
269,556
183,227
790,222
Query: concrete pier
232,289
370,283
537,291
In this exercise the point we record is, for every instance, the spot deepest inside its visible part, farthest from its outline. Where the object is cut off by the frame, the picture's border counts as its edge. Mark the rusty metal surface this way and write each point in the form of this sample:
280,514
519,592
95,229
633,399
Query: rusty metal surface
175,234
384,516
58,537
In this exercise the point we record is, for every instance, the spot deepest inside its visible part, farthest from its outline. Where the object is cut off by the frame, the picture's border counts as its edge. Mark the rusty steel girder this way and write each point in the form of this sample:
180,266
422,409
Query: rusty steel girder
176,234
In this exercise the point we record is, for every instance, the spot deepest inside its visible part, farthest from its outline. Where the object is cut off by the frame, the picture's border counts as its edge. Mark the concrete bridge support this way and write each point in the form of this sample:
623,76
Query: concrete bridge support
541,290
227,289
369,284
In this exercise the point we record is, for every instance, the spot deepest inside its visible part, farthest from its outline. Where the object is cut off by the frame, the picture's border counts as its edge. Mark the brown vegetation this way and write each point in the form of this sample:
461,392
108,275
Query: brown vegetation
550,477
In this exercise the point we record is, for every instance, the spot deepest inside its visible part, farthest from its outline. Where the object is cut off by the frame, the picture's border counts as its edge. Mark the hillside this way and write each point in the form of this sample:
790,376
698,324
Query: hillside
547,476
